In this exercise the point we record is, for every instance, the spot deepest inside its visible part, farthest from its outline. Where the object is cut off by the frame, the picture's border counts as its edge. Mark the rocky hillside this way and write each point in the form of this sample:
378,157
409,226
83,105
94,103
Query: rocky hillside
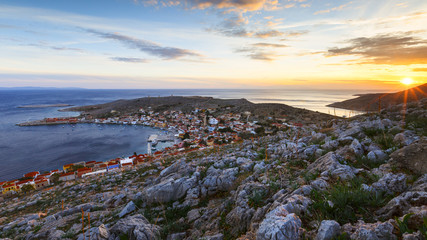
361,178
188,104
371,102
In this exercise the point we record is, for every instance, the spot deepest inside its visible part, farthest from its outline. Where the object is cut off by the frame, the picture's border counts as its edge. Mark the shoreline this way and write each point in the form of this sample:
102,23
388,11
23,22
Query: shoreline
45,105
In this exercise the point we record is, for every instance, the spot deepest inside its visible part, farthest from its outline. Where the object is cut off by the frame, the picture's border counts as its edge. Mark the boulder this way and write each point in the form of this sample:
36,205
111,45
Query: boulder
179,168
329,165
391,183
330,145
240,219
412,157
377,156
136,227
356,147
219,180
218,236
328,230
56,235
130,207
279,224
420,184
168,190
402,203
374,231
98,233
405,138
85,207
176,236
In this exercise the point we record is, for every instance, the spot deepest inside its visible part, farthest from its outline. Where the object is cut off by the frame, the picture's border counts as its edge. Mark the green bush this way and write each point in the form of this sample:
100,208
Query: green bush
257,198
364,162
371,132
346,202
416,123
403,225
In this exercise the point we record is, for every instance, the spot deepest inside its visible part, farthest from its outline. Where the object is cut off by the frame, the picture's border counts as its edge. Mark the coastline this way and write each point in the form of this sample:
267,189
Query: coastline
45,105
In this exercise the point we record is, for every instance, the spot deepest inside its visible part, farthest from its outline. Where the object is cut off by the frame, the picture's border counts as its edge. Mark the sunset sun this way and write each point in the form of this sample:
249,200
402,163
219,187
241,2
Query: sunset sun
407,81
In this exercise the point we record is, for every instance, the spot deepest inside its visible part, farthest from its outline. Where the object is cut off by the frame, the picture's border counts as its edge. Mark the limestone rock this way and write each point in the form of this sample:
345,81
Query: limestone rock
219,180
371,231
400,204
412,157
391,183
279,225
136,227
130,207
168,190
329,229
377,156
330,165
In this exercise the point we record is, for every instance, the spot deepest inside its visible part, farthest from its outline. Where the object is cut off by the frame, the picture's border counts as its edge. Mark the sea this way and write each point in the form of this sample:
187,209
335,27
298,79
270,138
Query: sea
44,148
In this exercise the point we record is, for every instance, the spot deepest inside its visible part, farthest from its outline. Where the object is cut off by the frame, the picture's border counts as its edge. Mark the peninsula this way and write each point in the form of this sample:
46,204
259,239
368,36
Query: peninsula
376,101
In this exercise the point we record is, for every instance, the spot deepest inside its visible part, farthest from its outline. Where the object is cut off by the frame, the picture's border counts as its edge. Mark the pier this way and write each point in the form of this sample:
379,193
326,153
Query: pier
161,138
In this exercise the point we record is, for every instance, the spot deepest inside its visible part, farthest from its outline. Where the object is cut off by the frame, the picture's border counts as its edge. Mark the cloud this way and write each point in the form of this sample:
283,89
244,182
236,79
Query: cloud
237,26
263,56
339,8
268,34
419,69
257,51
154,49
57,48
394,49
129,60
241,5
271,45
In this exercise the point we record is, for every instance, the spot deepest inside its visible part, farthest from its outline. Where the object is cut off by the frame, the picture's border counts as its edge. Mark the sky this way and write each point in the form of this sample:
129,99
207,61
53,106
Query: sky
213,43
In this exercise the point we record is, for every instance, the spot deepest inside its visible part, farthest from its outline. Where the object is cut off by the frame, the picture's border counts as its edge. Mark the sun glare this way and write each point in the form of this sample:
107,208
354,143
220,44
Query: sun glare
407,81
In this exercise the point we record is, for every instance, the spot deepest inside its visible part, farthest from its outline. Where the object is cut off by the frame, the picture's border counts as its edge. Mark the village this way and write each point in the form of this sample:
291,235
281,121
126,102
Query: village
193,131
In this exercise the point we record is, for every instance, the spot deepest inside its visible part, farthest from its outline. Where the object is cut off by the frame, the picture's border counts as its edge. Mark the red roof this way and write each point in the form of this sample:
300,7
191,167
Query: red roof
41,180
24,181
84,169
90,162
10,185
69,165
127,164
31,174
67,174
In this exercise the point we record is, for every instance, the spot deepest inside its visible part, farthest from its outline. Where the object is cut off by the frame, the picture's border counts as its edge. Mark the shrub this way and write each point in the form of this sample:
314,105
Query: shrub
403,225
346,202
37,228
371,132
417,123
257,198
364,162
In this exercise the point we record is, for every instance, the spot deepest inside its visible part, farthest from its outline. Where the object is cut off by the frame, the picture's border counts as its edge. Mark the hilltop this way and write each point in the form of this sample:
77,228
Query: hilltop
358,178
188,104
370,102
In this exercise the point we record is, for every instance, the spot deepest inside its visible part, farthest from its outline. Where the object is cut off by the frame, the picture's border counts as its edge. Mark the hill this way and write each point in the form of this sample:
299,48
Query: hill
358,178
370,102
188,104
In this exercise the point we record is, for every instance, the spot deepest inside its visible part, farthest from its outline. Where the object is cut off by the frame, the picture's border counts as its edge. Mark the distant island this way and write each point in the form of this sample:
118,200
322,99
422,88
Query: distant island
257,111
45,105
375,101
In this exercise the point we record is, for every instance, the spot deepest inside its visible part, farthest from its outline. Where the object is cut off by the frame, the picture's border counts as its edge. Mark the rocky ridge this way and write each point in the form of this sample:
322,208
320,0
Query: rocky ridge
360,178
